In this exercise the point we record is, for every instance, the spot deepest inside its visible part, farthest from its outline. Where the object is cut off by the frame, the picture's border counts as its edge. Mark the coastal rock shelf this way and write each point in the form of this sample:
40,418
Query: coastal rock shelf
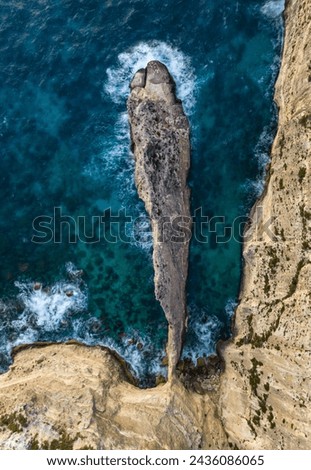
73,396
266,385
161,145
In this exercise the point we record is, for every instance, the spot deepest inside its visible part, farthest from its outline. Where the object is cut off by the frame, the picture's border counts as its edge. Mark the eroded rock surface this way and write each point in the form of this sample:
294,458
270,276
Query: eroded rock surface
160,138
73,396
265,392
70,396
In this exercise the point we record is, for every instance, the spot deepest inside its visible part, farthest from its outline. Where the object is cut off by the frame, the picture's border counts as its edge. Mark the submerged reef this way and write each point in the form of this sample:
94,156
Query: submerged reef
64,396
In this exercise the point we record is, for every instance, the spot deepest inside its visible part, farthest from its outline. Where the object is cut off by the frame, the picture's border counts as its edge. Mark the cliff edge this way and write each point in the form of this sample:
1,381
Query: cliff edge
70,396
161,146
265,390
73,396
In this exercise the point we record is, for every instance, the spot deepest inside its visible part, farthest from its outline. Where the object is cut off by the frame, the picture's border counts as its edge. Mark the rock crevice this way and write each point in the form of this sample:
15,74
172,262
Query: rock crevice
72,396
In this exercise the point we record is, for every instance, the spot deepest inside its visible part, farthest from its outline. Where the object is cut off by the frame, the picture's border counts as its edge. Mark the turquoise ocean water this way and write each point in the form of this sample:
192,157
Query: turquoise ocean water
65,158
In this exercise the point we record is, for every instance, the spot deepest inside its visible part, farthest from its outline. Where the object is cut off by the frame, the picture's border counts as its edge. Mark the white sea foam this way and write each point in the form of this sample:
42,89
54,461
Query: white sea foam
254,187
262,155
119,76
50,310
145,361
273,8
141,232
230,307
137,349
116,160
262,149
116,157
39,312
204,330
47,308
3,125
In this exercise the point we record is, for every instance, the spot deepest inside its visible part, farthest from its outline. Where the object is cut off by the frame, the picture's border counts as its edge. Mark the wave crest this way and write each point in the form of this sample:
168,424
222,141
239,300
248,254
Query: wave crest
273,8
119,76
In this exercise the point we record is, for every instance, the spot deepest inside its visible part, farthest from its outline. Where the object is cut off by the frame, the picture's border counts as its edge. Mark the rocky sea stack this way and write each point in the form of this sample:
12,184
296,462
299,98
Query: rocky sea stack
161,146
73,396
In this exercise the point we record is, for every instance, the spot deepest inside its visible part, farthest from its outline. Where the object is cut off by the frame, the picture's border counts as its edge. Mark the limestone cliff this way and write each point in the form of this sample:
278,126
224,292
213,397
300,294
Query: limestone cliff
265,391
73,396
160,139
69,396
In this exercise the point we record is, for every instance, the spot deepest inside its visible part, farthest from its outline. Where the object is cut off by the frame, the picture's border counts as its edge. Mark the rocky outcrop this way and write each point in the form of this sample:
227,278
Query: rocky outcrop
73,396
160,140
70,396
265,391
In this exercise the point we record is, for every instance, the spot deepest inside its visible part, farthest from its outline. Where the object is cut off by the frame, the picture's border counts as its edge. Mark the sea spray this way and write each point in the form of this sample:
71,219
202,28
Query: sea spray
63,113
116,157
202,334
137,57
273,8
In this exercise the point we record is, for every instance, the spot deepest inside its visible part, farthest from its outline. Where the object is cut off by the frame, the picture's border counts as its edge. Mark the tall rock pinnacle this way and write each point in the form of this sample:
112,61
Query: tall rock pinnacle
161,145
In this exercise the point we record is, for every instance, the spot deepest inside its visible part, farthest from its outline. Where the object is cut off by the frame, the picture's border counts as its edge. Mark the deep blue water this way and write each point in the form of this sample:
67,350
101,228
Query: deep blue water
65,68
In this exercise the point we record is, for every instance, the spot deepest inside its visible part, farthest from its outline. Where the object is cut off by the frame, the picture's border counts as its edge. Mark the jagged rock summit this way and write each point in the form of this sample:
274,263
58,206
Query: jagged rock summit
161,146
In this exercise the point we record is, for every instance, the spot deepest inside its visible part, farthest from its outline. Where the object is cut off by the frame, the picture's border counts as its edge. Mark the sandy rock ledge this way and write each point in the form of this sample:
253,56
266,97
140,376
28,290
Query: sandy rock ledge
72,396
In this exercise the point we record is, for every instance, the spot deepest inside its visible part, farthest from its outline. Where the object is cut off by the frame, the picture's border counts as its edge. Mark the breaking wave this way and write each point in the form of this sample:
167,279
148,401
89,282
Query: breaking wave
128,62
273,8
39,313
202,335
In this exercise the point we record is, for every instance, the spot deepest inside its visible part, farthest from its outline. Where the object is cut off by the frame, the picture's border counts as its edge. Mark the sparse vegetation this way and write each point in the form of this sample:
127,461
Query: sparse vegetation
305,216
15,422
267,285
305,120
254,378
233,446
250,424
34,443
256,420
270,418
64,442
293,285
274,259
301,174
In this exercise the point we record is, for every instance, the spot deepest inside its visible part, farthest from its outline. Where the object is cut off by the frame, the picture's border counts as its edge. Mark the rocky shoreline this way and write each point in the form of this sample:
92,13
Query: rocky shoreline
266,384
72,396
